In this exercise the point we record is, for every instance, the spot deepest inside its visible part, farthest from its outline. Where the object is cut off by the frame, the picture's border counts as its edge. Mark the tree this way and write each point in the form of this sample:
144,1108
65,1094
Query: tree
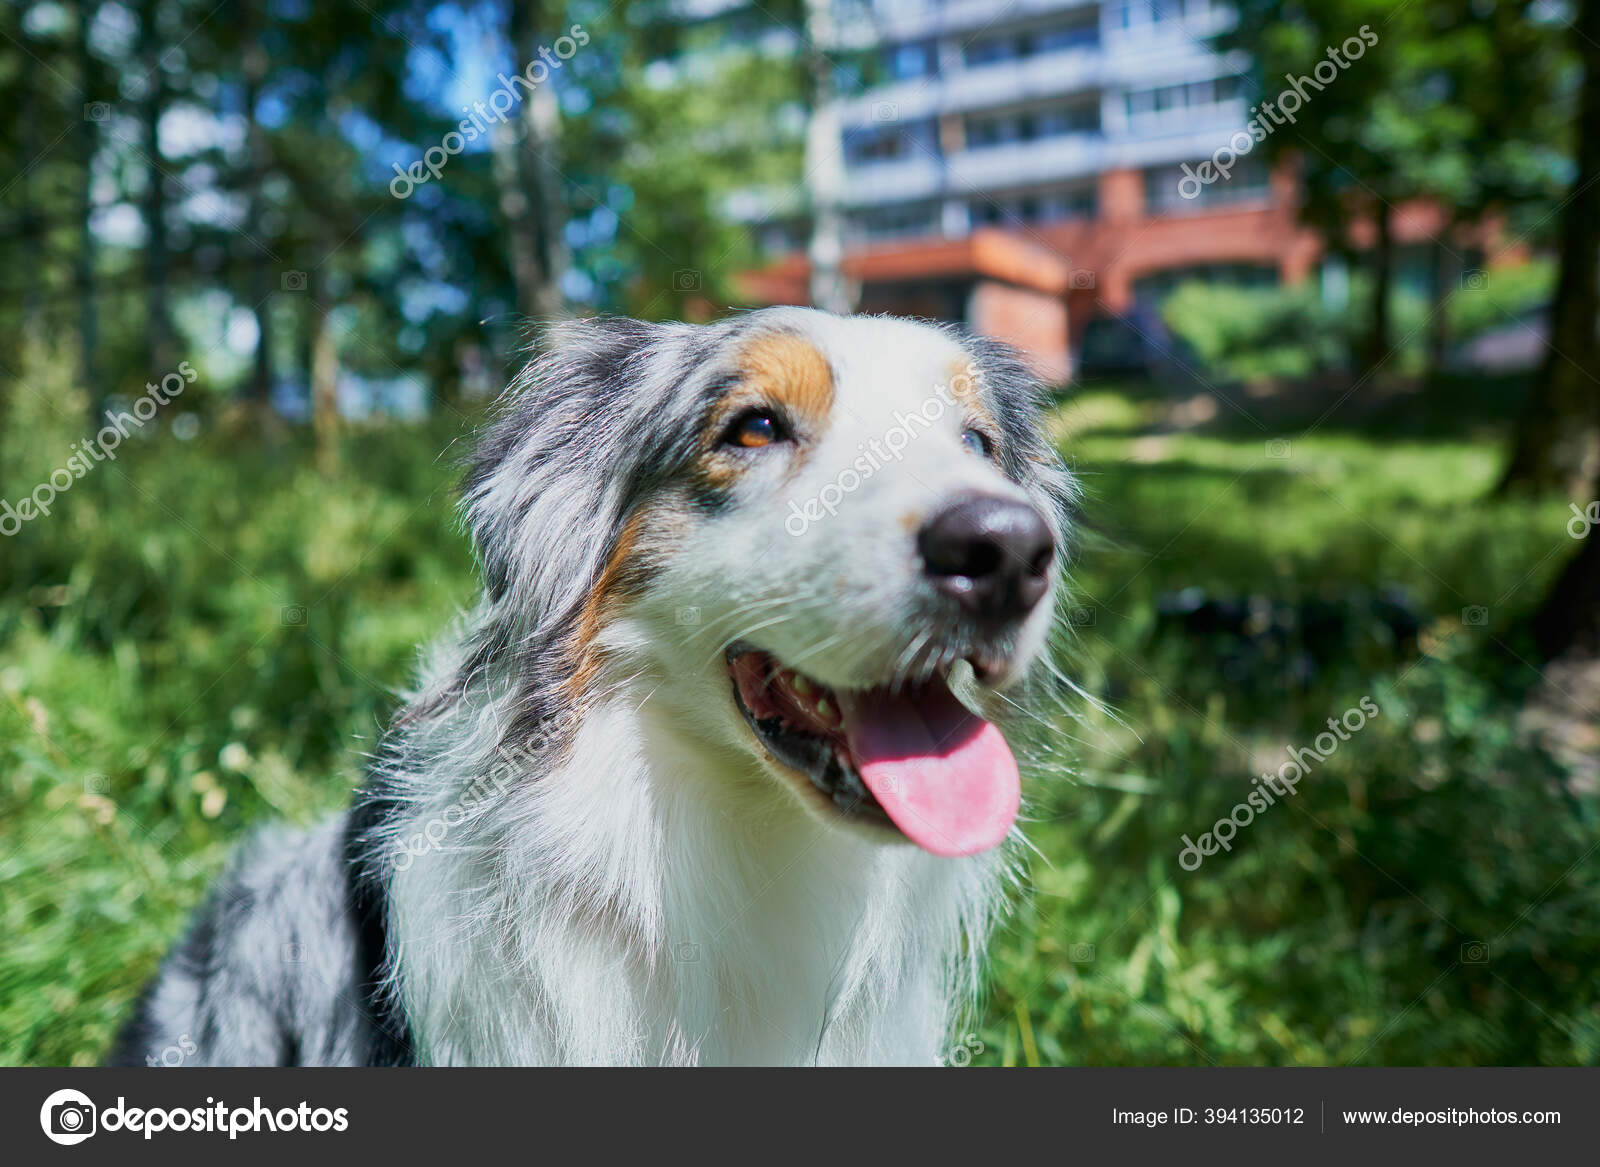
158,357
1556,438
527,169
682,119
1418,115
1566,401
92,113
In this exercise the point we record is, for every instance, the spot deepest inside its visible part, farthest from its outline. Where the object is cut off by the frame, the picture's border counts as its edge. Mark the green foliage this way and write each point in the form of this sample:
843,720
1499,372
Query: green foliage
670,142
160,695
1345,924
1252,334
1500,296
202,636
1248,333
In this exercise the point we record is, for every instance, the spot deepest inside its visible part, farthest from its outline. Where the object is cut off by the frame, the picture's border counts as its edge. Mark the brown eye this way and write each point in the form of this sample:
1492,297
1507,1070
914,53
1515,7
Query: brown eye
754,430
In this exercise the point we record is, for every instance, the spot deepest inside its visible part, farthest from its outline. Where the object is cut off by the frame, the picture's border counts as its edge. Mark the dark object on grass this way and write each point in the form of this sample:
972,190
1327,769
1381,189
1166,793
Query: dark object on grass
1137,344
1265,641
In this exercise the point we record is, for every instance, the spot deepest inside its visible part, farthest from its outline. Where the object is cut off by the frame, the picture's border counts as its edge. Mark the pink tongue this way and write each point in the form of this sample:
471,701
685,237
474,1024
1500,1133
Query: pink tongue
944,775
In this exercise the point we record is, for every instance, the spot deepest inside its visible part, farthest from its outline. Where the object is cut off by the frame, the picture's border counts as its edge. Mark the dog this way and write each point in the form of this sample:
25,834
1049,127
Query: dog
715,771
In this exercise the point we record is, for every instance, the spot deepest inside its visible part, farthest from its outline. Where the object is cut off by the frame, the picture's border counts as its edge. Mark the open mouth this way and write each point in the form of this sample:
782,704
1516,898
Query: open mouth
911,759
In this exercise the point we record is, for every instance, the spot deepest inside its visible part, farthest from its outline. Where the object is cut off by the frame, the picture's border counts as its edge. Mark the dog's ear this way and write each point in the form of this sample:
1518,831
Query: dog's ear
557,471
536,489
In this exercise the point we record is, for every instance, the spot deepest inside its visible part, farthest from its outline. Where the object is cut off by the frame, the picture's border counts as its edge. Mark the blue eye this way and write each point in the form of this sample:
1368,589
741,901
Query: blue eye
976,442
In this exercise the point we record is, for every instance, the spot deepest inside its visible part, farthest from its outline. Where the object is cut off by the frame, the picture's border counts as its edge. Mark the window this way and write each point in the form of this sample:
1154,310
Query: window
1047,206
1061,39
1133,13
1073,204
1069,119
1163,194
908,62
1199,96
1029,126
897,222
889,142
990,50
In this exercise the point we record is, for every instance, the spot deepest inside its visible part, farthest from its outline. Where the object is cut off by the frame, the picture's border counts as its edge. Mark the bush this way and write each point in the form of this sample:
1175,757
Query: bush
1251,333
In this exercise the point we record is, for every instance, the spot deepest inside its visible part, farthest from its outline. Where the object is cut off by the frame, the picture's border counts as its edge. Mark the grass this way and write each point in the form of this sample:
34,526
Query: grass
206,635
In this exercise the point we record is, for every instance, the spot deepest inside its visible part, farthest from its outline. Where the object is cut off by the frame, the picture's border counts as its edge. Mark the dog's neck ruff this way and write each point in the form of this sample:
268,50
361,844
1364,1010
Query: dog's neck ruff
629,905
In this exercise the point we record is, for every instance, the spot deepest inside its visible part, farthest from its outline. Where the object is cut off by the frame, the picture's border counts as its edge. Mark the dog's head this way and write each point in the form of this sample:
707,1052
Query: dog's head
794,531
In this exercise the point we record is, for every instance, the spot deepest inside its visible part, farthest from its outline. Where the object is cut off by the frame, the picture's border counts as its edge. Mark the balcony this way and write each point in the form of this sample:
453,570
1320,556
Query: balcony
920,176
1055,74
1026,163
1058,74
906,19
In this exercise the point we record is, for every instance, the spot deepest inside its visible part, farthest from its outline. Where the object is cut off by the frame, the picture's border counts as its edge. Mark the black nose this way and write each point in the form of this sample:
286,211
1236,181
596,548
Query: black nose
992,554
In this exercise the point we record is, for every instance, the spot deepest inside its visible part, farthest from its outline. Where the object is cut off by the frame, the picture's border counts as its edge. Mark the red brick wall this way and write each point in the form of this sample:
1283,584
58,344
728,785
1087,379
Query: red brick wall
1036,322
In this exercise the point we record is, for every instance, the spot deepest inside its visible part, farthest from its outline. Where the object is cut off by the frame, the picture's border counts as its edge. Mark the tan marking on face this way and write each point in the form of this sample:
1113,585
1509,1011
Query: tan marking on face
790,371
624,573
780,371
966,387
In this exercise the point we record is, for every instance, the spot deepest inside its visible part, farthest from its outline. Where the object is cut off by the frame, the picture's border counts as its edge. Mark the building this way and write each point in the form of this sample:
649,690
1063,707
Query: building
1019,167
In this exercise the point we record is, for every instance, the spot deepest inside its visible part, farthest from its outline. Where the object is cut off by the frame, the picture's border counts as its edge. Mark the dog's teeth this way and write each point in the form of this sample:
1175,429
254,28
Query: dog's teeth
800,685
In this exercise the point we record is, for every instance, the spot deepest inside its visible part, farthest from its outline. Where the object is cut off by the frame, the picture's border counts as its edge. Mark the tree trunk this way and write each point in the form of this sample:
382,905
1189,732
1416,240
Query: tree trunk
526,165
1569,621
1555,442
1382,267
1446,276
830,289
88,320
324,380
259,387
158,340
28,223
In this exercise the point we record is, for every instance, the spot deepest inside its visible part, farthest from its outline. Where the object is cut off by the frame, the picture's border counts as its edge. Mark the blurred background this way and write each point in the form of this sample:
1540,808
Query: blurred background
1316,284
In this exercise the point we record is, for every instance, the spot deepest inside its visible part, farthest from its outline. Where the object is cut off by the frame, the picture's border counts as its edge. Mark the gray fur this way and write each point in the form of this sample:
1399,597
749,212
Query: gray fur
272,972
292,962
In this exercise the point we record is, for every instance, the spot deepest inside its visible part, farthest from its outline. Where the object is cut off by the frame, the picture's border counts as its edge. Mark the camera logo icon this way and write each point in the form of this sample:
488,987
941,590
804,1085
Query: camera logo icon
1475,616
68,1117
1083,278
293,616
97,111
1278,448
294,281
1475,952
1474,279
885,111
686,280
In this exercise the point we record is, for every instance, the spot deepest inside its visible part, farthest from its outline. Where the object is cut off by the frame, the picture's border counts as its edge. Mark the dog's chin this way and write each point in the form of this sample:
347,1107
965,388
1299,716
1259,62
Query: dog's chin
874,761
